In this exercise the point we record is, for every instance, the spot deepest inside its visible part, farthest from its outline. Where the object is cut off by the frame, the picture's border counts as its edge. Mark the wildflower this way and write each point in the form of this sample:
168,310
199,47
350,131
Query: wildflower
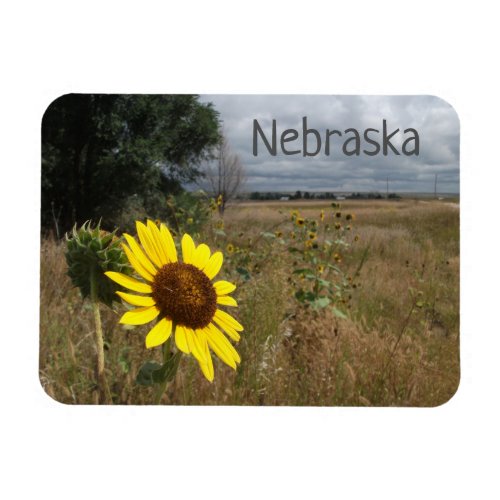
337,257
338,215
312,235
320,268
350,217
294,214
189,220
308,244
278,234
348,228
338,225
356,238
219,200
230,248
293,235
299,221
322,215
181,295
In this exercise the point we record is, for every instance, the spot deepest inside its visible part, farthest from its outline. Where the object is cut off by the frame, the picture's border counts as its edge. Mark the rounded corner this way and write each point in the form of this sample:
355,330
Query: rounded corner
452,396
54,101
448,103
50,396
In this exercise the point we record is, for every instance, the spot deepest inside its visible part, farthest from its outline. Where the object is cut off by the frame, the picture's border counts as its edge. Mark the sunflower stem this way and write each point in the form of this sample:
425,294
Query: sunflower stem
167,357
104,393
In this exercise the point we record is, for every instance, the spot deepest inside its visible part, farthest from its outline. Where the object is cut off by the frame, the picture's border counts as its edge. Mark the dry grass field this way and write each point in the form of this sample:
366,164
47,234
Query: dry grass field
398,345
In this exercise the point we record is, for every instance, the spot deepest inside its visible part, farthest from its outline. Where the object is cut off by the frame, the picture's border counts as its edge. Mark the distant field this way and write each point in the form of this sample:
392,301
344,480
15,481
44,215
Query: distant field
398,346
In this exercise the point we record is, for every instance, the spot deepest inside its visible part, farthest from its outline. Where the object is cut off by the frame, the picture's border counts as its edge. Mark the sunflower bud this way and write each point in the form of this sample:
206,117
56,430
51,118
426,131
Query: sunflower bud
91,252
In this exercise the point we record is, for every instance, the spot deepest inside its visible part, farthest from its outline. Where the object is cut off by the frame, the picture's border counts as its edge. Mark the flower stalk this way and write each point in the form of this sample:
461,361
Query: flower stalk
104,392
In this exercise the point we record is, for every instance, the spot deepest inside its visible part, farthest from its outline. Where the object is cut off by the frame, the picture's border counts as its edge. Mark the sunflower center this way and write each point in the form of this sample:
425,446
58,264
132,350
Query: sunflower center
184,294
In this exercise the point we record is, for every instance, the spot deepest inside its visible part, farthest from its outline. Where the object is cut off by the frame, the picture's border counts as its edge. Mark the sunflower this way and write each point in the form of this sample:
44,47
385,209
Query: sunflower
181,295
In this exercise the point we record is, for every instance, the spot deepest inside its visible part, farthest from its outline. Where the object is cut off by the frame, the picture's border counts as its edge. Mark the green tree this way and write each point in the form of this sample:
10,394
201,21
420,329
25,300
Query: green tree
101,151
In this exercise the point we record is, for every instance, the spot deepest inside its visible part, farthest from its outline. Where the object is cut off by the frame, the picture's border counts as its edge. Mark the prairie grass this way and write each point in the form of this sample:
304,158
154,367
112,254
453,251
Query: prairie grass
399,345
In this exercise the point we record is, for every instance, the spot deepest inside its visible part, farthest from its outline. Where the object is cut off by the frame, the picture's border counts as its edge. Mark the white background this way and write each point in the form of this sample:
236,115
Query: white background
53,451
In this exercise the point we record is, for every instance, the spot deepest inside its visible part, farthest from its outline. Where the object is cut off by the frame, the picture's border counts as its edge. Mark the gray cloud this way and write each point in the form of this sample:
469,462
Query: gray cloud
434,119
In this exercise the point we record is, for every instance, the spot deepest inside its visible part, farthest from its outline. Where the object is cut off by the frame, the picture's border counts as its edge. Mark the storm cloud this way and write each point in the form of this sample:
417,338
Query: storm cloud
434,119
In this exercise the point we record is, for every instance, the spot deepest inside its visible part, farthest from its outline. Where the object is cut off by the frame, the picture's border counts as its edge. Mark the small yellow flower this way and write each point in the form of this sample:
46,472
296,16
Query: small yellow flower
278,234
320,268
337,257
293,235
338,215
322,215
312,236
338,225
230,248
350,217
309,243
348,228
356,238
219,200
294,214
189,220
180,294
300,221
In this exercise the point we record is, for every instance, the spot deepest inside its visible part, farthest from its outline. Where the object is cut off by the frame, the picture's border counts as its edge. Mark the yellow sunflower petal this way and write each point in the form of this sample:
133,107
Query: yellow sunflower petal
159,333
194,345
228,319
219,351
134,261
214,264
154,232
224,287
187,245
141,256
140,316
181,340
227,327
208,367
226,300
201,256
221,340
147,243
230,331
137,300
168,243
128,282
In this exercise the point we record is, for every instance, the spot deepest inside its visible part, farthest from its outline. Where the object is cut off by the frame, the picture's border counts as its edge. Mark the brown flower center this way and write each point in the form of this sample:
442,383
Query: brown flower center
184,294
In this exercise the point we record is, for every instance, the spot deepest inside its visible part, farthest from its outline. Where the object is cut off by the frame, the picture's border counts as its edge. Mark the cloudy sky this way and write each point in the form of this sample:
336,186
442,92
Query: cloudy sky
434,119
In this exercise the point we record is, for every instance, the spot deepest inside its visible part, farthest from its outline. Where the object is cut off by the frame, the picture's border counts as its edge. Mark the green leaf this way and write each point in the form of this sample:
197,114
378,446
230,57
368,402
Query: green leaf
301,271
321,303
145,373
268,235
168,370
339,313
244,273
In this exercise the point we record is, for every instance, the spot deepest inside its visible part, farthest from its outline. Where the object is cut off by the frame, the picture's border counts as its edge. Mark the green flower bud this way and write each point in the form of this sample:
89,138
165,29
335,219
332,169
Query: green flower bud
91,252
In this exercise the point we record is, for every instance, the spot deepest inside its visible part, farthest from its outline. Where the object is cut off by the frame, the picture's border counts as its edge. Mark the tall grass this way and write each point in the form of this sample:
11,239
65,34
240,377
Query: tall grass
399,345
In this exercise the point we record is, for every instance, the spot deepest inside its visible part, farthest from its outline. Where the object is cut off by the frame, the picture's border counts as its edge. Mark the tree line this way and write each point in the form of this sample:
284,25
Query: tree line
102,153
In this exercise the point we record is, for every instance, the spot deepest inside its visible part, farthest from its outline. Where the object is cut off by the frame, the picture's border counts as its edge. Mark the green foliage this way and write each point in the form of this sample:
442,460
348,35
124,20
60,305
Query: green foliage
187,212
100,150
90,253
318,245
